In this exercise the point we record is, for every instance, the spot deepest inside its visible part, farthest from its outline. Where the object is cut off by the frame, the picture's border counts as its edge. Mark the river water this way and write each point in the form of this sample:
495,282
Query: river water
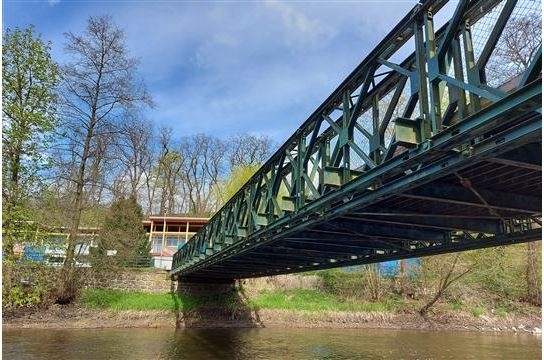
264,344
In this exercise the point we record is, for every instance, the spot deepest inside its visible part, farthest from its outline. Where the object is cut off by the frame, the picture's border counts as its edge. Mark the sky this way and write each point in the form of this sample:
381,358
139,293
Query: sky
228,67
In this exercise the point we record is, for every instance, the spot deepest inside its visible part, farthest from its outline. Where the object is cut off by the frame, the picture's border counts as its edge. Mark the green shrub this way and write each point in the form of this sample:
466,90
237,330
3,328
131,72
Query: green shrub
32,284
346,285
21,296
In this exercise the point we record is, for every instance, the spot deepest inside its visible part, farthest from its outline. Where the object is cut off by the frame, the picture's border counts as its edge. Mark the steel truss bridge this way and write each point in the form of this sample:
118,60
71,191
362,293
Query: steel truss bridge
431,145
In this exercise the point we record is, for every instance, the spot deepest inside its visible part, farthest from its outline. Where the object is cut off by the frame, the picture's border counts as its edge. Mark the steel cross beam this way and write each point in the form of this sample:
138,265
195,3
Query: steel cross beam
415,129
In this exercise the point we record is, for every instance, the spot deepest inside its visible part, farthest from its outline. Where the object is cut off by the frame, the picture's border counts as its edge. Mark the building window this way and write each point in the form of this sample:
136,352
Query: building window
172,241
157,244
82,249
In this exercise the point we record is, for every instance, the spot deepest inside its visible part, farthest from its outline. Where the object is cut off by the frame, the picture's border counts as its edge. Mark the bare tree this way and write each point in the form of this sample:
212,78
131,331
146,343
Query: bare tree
203,165
99,85
517,46
134,153
164,176
249,150
445,270
153,172
170,166
100,167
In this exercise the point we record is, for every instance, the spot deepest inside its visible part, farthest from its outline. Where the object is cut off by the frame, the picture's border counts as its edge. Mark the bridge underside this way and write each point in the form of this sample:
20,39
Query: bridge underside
479,206
484,195
438,217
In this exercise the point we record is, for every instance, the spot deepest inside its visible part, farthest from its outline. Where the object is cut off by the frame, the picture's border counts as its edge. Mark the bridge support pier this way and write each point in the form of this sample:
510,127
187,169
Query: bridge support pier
212,303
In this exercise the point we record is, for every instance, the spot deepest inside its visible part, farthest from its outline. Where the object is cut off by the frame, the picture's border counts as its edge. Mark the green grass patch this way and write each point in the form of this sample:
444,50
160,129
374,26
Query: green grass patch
477,311
456,305
125,300
313,300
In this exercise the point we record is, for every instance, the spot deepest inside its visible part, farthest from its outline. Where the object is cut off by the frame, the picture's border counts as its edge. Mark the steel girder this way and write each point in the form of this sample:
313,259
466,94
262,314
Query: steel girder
389,164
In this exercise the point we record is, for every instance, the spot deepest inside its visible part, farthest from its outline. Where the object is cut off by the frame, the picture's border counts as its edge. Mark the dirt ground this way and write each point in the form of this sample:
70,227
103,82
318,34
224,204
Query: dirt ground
73,316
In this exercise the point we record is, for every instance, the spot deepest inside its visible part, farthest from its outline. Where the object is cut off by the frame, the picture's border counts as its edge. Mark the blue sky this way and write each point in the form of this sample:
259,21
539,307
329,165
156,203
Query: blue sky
229,67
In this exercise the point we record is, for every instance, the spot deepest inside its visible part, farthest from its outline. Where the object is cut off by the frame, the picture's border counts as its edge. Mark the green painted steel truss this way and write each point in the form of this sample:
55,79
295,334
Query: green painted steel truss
416,153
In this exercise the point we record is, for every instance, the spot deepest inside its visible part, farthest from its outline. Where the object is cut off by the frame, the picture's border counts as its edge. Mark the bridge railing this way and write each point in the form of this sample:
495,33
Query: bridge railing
416,84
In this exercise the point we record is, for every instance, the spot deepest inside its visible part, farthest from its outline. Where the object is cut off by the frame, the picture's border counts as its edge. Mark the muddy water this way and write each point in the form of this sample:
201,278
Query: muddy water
264,344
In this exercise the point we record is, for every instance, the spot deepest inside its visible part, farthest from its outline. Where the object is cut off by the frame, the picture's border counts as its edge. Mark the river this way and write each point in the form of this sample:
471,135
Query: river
264,344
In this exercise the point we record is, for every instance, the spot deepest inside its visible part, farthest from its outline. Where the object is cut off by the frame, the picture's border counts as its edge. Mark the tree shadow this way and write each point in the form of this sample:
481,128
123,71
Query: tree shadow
213,304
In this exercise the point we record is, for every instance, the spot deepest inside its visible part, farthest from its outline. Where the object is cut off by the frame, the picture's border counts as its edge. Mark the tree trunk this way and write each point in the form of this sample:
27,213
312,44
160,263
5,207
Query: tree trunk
67,288
403,278
534,293
446,279
6,277
7,248
425,309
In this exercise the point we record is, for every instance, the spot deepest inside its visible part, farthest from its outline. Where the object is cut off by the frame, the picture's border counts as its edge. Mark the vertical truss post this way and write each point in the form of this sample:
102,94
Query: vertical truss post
435,65
300,169
325,150
473,75
457,94
376,141
421,65
272,208
347,136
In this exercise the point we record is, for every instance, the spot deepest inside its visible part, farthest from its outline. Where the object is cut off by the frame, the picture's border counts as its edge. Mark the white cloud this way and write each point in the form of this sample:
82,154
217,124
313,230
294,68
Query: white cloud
225,69
53,2
299,26
230,67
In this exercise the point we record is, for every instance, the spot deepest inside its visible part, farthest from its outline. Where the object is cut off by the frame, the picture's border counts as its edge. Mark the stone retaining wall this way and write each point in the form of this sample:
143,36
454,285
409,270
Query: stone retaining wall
148,280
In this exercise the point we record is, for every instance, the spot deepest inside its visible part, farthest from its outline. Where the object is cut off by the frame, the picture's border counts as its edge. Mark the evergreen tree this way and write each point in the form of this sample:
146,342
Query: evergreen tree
124,234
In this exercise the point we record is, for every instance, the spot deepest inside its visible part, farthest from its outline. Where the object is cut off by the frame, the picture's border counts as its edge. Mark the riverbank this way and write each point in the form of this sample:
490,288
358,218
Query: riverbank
76,316
332,299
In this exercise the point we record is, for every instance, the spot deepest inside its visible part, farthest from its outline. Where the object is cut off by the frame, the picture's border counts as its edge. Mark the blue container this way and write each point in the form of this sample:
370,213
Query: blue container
392,268
33,252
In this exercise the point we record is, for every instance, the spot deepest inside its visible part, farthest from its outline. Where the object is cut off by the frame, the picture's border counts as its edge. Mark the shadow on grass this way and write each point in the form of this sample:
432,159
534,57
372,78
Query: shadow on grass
208,304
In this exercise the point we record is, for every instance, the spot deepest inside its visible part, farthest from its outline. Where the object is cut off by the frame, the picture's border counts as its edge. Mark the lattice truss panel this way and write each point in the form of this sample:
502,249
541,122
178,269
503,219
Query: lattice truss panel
428,84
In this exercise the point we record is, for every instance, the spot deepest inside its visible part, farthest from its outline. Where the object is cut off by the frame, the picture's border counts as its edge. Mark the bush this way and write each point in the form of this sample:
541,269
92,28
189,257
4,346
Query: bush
33,284
346,285
19,296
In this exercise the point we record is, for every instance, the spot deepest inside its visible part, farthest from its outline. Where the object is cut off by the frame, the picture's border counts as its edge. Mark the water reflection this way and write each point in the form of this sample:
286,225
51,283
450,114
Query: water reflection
264,344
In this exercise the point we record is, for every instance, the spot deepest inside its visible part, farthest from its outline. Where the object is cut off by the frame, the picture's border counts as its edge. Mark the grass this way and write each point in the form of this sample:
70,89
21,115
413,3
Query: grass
123,300
477,311
313,300
456,305
306,300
